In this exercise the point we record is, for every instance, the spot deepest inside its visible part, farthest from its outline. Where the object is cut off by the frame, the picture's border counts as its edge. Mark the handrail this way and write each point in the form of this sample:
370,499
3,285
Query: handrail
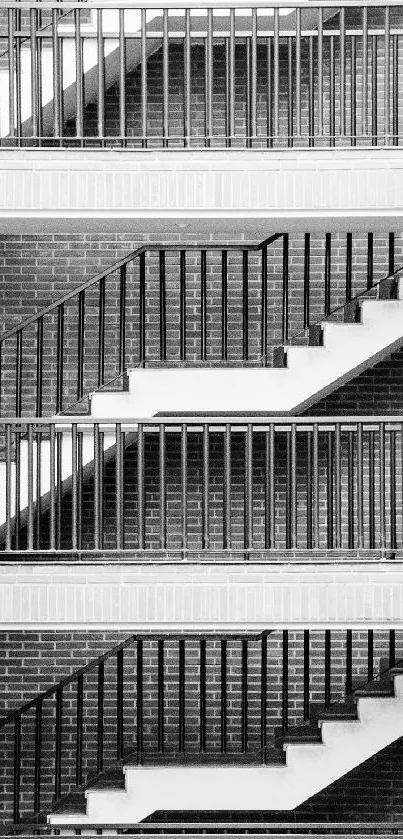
210,420
193,4
177,246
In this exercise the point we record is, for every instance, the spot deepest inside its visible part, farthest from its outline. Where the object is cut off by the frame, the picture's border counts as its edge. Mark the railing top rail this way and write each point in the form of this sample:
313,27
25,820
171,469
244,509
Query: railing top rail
195,4
17,712
203,419
149,246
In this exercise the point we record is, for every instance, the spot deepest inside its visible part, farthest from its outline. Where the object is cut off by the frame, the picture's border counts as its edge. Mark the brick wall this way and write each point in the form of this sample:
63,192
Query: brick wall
33,661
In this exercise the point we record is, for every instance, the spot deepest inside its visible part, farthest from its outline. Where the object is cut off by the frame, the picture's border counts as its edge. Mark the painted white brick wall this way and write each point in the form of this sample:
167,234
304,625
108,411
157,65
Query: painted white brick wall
201,597
290,183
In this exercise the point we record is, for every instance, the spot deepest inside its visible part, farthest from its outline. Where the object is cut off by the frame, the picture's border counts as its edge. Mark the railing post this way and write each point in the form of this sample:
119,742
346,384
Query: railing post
244,693
223,698
17,769
139,693
100,718
263,699
119,705
284,718
202,732
38,759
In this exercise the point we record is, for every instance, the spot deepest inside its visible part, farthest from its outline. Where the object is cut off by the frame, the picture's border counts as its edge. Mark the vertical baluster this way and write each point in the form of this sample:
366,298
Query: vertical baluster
395,89
79,73
17,517
288,493
270,510
391,253
244,692
181,705
57,72
163,306
248,106
285,289
227,488
338,516
382,499
342,19
202,731
165,79
101,333
182,304
30,482
140,488
293,488
209,77
11,73
223,697
311,95
74,499
119,705
97,488
371,487
122,320
364,129
18,375
8,487
245,306
39,366
269,93
59,486
232,78
59,358
52,498
263,330
263,699
374,89
205,489
360,487
315,485
353,76
17,769
332,91
387,76
58,743
186,81
227,93
349,661
349,262
119,488
329,489
79,730
80,346
392,467
307,253
203,306
18,79
80,435
224,305
328,250
290,97
309,497
122,77
100,717
160,709
144,81
162,488
392,648
248,524
101,77
276,86
298,71
142,307
370,261
184,467
34,73
139,705
370,655
320,72
306,675
328,653
253,79
284,702
38,759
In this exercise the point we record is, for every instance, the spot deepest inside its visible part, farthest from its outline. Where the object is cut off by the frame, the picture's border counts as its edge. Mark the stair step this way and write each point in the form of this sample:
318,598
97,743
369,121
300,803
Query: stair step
373,693
334,714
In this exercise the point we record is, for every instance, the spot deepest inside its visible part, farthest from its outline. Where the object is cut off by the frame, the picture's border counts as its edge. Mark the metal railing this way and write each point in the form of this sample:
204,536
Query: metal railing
168,699
211,488
273,75
179,304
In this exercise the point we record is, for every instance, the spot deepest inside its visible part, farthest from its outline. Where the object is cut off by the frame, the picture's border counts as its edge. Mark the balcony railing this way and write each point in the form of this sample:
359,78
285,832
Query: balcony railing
275,75
208,488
